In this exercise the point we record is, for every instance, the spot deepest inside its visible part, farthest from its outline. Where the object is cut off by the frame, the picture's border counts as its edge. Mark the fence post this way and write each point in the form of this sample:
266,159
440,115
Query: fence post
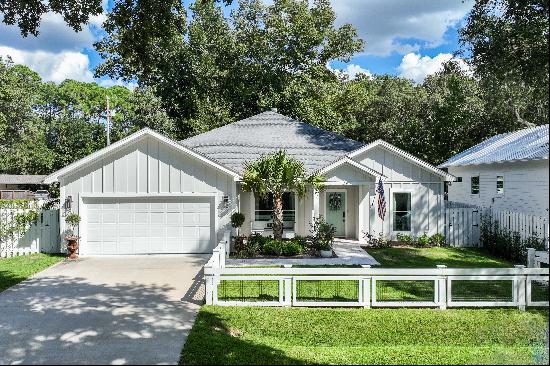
366,289
530,257
209,283
442,288
520,283
287,288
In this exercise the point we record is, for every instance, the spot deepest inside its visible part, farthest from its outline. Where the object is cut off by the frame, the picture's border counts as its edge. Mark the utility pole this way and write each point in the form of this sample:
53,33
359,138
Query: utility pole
108,123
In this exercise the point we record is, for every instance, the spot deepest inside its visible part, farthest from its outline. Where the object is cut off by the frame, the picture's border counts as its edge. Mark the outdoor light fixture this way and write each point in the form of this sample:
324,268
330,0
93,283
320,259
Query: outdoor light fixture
225,200
68,202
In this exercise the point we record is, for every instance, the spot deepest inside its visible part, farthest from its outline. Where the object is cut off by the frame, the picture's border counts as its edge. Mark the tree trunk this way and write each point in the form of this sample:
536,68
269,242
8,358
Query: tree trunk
277,216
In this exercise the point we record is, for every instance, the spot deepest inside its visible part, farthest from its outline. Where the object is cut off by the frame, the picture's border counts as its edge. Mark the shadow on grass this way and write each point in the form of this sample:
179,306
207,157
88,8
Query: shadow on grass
228,346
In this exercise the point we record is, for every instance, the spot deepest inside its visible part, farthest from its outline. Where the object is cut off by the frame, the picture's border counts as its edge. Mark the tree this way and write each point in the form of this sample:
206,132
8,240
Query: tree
210,69
28,13
506,43
276,174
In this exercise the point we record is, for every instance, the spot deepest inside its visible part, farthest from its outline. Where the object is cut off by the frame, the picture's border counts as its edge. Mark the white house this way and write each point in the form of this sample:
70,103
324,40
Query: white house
506,172
149,194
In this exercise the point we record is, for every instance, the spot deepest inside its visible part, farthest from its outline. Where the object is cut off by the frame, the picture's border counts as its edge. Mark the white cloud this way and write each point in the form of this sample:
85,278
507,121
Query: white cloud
52,66
397,26
416,67
351,71
107,83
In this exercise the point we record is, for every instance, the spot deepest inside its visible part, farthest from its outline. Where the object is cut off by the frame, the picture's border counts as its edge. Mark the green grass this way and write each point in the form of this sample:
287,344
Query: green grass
430,257
231,335
16,269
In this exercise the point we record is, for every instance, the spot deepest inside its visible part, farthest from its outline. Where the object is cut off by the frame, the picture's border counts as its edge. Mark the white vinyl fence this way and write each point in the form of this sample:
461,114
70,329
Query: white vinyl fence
463,224
43,236
367,287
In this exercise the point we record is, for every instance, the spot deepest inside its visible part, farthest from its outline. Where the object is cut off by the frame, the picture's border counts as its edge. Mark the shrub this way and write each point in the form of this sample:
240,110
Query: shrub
405,238
259,240
245,248
322,234
237,220
291,248
273,247
437,240
423,240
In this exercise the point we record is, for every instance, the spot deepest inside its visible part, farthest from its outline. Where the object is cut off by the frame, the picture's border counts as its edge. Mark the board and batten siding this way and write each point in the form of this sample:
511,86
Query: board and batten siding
525,186
148,167
426,188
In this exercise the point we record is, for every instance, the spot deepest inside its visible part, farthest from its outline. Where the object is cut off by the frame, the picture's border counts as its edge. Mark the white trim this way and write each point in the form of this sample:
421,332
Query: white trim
405,155
147,195
134,137
391,192
353,163
345,191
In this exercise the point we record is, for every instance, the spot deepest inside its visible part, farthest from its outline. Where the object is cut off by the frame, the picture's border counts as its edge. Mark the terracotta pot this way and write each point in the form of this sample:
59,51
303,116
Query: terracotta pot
72,246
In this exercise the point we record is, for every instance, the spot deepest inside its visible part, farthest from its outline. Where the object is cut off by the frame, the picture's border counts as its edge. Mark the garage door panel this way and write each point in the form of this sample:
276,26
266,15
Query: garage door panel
148,225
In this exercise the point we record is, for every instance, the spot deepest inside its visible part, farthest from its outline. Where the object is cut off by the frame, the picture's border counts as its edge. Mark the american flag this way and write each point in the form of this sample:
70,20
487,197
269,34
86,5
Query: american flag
381,200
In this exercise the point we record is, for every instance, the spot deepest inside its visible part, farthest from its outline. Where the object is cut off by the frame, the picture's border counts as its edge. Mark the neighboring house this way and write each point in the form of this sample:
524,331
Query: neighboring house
14,186
506,172
149,194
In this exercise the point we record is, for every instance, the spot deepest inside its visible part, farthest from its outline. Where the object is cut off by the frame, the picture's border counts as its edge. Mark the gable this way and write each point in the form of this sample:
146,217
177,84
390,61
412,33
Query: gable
349,174
395,167
146,165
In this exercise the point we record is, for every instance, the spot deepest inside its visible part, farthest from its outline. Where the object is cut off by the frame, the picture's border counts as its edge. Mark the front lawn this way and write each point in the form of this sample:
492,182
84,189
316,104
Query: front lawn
16,269
409,257
231,335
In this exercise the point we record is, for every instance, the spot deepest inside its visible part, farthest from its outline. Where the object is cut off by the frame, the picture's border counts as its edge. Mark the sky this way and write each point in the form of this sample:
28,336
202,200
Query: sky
409,38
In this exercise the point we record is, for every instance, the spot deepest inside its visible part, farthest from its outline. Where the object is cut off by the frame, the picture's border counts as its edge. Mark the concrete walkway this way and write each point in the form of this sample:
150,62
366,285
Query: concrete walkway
102,310
348,253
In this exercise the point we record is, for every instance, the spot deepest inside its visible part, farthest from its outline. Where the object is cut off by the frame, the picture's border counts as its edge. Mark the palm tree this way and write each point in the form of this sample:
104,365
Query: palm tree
277,173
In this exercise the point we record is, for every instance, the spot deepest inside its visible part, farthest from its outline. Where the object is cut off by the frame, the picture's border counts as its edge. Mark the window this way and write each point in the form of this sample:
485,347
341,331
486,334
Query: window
264,208
475,185
500,184
401,211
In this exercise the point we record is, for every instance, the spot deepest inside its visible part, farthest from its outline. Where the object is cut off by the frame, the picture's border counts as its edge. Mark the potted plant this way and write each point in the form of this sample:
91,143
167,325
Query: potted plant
237,220
323,237
72,220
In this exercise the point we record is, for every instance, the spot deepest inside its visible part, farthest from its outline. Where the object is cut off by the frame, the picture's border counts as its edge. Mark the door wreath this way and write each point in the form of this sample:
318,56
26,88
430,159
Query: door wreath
335,201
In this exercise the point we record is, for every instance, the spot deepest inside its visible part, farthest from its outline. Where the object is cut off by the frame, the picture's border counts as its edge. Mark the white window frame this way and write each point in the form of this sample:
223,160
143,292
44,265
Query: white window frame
391,210
500,194
266,227
478,184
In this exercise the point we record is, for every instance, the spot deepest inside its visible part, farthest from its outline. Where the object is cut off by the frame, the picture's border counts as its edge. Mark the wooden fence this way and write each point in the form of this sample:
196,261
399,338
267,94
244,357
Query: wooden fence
43,236
463,224
367,287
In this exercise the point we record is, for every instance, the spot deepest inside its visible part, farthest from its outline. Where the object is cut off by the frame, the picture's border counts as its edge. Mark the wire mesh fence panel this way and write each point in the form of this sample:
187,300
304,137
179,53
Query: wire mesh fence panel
248,290
405,290
327,290
539,290
482,290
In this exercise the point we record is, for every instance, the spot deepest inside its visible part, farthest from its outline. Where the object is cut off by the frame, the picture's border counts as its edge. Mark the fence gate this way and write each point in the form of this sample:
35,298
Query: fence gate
462,226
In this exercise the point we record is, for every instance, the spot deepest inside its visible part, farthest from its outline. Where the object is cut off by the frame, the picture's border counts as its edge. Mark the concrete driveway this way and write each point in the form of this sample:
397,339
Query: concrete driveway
102,310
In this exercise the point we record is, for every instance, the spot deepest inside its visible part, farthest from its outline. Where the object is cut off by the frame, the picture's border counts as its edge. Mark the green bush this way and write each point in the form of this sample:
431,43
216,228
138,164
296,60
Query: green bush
259,240
237,220
437,240
423,240
245,248
322,234
405,238
291,248
273,247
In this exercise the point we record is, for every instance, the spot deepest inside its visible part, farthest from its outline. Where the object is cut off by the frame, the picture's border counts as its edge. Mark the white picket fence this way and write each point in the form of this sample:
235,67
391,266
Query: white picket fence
43,236
463,224
366,281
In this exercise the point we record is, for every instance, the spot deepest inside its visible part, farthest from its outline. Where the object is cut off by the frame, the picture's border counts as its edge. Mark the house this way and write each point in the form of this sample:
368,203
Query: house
17,186
506,172
149,194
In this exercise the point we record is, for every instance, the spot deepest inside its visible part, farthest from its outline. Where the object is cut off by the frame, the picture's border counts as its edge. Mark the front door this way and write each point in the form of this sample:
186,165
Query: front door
335,211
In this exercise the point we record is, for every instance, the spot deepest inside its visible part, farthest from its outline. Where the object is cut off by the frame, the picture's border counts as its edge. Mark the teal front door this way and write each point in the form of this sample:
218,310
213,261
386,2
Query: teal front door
335,211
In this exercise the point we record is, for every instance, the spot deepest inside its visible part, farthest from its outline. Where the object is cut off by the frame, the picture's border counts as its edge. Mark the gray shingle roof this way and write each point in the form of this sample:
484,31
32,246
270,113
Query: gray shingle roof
527,144
21,179
234,144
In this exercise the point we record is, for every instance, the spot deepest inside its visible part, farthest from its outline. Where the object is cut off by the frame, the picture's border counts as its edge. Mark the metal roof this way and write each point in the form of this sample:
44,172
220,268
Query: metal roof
527,144
234,144
21,179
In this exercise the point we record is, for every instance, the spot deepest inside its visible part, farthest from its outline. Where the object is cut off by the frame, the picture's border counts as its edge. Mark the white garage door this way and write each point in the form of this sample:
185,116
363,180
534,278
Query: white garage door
147,226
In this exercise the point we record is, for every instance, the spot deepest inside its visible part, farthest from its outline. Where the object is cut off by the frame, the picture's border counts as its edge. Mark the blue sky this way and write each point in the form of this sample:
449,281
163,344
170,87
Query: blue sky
410,38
